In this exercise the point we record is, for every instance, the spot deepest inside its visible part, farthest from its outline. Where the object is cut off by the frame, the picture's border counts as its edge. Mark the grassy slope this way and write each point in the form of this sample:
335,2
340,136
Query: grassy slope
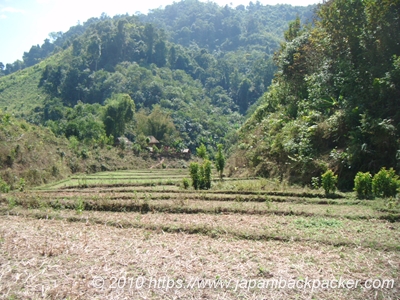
19,92
34,154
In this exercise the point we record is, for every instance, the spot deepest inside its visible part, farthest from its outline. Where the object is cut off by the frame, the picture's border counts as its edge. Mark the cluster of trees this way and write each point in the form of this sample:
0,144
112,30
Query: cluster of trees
234,80
384,184
217,28
335,98
205,92
101,125
199,65
200,173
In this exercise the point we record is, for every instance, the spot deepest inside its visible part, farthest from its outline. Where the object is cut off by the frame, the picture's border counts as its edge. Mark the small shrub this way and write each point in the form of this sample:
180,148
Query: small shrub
79,206
201,178
363,185
185,183
55,171
207,174
315,183
73,143
164,166
4,187
220,161
385,183
22,184
11,202
84,153
194,174
201,151
329,181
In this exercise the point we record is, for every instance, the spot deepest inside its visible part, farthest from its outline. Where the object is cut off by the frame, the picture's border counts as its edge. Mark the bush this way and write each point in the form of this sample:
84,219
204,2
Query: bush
194,174
201,175
201,151
315,183
21,187
220,161
185,183
85,153
4,187
329,181
207,174
363,185
385,183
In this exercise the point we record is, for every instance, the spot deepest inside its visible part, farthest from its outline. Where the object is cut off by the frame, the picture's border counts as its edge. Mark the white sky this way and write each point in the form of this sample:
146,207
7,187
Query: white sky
24,23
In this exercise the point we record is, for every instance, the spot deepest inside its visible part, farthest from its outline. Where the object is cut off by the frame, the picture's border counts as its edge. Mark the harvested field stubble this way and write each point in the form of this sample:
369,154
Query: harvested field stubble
375,234
133,234
57,259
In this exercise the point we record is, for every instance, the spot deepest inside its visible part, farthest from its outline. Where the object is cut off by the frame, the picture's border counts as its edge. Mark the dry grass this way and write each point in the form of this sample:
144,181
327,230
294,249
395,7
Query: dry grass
373,234
55,259
56,240
173,202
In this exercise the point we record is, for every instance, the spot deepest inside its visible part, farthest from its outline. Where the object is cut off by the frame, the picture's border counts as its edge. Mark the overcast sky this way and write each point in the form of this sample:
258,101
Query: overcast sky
24,23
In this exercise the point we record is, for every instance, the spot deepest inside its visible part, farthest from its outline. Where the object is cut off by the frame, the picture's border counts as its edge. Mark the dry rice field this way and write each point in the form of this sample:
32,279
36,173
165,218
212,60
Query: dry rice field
140,235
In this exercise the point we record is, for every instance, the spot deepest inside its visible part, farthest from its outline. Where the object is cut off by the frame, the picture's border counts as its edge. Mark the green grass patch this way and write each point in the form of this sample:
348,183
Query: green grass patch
317,223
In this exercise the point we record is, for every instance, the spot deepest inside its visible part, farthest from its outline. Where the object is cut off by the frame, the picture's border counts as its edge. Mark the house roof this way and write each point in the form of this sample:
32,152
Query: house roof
153,140
125,139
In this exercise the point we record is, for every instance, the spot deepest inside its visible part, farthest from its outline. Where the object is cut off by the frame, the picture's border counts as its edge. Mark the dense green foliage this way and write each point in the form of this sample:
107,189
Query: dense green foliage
363,185
194,174
220,160
201,65
329,181
157,123
185,183
117,113
201,175
4,187
335,98
385,183
201,151
253,27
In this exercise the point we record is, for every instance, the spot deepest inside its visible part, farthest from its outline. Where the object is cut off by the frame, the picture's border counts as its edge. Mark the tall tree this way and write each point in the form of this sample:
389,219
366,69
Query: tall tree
118,112
220,161
149,38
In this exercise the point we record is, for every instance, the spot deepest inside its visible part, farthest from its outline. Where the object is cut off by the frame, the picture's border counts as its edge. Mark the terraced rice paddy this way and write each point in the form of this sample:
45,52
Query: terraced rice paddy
139,235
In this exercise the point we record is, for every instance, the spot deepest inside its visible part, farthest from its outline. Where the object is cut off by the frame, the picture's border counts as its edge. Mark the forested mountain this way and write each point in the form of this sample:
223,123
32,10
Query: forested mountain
188,74
216,28
335,100
200,84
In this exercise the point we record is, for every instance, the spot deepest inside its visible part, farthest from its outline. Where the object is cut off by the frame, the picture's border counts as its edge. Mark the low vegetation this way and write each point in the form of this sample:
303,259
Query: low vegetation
32,155
149,210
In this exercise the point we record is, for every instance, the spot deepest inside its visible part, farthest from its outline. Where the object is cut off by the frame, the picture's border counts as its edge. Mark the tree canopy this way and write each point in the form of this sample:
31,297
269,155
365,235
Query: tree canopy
335,98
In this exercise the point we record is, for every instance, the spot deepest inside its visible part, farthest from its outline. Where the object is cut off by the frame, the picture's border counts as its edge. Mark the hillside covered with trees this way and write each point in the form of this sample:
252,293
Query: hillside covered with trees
290,91
201,88
335,99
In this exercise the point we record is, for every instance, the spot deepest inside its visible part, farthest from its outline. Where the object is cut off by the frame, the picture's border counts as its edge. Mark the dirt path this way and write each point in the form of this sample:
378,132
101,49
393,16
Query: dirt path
158,164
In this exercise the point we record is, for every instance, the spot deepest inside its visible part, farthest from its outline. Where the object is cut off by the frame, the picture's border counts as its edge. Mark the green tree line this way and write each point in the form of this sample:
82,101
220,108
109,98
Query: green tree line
335,98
